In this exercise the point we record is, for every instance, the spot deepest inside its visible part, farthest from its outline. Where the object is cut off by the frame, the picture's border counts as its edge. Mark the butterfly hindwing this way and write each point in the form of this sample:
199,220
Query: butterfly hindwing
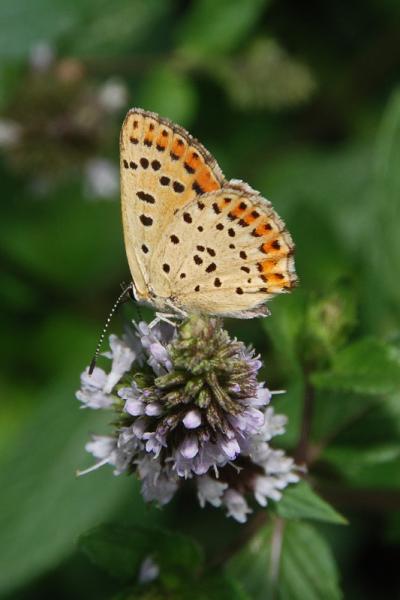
162,169
226,252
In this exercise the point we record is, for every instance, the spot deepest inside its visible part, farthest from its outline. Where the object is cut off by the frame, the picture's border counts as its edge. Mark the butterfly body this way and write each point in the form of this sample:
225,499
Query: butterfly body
196,242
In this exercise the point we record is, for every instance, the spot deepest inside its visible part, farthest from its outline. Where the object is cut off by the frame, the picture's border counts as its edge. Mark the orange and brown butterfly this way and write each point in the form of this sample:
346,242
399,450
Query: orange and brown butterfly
196,242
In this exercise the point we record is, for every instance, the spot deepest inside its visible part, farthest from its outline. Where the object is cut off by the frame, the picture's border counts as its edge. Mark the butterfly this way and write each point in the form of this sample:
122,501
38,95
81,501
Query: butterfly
196,242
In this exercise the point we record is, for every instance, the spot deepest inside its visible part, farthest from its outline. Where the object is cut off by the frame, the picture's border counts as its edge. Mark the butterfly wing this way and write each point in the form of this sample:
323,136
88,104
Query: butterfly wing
163,168
225,253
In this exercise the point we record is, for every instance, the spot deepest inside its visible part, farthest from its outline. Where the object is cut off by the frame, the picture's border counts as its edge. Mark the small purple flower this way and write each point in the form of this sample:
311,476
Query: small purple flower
192,419
236,505
122,356
210,490
190,407
92,394
149,571
96,388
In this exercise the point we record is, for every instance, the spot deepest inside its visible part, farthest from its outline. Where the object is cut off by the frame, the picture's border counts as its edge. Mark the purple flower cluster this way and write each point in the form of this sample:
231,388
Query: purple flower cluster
189,407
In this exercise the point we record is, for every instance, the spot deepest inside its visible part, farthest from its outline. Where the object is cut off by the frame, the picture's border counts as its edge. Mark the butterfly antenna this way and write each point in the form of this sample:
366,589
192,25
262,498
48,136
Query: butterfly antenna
103,333
129,291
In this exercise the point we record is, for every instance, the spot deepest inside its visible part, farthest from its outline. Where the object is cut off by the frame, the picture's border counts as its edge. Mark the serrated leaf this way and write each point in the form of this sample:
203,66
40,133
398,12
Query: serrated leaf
217,27
307,567
301,502
120,550
287,561
368,366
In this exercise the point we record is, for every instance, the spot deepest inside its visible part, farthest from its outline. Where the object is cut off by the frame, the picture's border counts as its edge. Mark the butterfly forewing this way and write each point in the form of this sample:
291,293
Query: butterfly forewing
225,253
162,169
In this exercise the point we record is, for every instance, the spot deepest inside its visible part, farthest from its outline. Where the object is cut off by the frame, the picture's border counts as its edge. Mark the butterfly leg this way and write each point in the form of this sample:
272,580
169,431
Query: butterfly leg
182,313
165,317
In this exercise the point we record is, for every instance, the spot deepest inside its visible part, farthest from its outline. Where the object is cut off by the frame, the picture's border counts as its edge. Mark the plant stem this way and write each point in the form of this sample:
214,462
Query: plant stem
248,531
276,551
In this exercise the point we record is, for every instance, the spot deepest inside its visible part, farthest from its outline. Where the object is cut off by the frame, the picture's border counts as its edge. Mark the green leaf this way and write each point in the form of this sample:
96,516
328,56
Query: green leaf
216,586
301,502
358,419
385,191
170,94
120,550
43,505
283,331
10,74
114,27
372,467
368,366
307,568
78,233
217,27
334,411
32,22
92,26
287,561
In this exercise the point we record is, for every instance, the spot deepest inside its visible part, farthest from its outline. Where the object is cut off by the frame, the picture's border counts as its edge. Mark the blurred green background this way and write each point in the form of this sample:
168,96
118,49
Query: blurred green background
302,100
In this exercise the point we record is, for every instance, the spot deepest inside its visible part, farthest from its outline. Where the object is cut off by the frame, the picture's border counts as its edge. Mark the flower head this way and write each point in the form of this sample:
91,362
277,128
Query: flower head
190,407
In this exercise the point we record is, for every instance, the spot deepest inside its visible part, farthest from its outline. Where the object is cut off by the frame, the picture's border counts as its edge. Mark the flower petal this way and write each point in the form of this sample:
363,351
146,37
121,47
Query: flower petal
192,419
189,447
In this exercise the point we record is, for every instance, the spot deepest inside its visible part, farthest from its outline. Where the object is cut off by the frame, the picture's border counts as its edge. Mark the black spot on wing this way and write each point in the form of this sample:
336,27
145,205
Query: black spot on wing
197,188
178,187
147,221
188,168
211,267
146,197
